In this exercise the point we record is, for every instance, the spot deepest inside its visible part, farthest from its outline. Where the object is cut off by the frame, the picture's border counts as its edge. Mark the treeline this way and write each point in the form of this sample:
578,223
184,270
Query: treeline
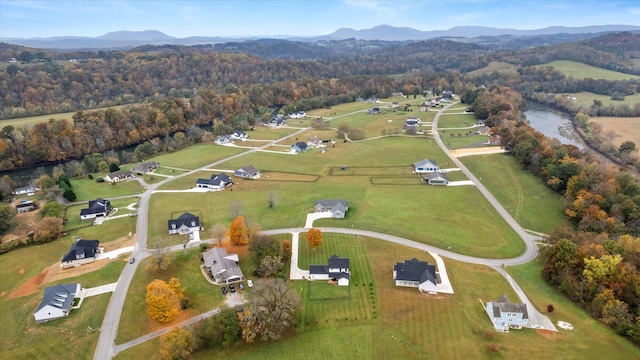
596,264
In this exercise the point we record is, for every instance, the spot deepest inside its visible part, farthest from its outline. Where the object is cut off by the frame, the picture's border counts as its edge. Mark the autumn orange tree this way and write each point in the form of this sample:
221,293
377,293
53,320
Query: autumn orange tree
314,238
238,232
163,299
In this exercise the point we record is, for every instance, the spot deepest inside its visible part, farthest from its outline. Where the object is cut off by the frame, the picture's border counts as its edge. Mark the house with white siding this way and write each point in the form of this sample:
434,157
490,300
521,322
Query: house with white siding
56,302
505,314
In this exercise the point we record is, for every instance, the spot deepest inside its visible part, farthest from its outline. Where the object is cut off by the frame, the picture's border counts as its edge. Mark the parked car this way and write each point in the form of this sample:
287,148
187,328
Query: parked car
249,283
232,288
132,260
224,290
241,286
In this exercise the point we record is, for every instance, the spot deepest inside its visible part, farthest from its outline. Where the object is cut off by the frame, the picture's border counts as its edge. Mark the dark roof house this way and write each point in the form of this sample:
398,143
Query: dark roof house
184,224
216,182
146,167
81,252
299,147
417,274
337,270
97,207
247,172
435,178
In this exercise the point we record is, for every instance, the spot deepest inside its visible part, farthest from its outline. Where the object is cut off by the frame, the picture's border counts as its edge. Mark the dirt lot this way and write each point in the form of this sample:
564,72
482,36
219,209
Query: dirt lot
477,151
55,272
26,223
626,129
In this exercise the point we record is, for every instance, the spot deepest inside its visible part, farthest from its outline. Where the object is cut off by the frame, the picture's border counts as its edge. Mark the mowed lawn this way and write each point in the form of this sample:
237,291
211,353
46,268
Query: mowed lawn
89,189
626,129
196,156
585,99
21,337
203,296
529,201
580,70
454,122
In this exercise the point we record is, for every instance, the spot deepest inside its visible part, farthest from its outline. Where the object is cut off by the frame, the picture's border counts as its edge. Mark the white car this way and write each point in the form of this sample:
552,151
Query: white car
249,283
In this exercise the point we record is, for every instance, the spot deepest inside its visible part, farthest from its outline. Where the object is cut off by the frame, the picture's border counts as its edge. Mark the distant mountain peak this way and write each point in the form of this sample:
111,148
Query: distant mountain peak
146,35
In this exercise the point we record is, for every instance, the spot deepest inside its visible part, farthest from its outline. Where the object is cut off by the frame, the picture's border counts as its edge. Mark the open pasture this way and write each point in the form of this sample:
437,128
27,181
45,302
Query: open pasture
585,99
196,156
456,121
626,129
580,70
499,66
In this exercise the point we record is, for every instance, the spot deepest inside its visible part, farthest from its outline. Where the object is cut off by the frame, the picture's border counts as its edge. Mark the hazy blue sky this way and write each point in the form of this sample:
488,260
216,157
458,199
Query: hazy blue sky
26,18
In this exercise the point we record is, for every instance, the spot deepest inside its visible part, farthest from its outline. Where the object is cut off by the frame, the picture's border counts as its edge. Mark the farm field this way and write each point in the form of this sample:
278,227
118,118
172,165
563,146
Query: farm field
89,189
499,66
626,129
531,203
585,99
456,121
579,70
196,156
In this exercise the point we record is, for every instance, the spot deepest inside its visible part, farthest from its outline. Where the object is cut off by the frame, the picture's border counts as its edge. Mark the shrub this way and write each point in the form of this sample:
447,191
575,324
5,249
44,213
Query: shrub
100,180
493,348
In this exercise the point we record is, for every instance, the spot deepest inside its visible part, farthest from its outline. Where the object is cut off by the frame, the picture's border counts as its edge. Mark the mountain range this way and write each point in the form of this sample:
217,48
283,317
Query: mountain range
130,39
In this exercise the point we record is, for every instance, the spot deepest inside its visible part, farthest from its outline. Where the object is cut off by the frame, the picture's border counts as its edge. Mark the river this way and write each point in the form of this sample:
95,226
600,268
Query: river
552,124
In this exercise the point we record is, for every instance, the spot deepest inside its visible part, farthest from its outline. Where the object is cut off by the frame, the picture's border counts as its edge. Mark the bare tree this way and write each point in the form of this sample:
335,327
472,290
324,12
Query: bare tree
275,304
218,233
161,260
270,266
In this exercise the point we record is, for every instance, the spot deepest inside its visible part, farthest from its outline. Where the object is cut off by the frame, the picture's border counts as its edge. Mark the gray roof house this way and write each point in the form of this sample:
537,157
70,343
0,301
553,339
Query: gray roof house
186,223
81,252
299,147
145,167
216,182
224,267
26,206
314,141
425,166
239,135
417,274
248,172
56,302
97,207
338,207
224,139
337,270
505,314
435,178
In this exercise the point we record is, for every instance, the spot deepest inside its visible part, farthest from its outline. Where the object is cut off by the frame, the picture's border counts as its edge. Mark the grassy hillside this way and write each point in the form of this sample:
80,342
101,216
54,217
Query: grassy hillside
499,66
579,71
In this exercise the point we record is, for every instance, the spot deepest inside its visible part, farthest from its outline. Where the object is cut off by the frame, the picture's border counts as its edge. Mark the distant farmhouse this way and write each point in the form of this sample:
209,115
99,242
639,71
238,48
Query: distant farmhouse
224,140
374,111
278,121
216,182
56,302
298,115
435,178
417,274
337,270
397,94
97,207
186,223
337,207
425,166
224,267
395,105
447,95
239,135
26,190
505,314
145,167
119,176
81,252
248,172
299,147
315,142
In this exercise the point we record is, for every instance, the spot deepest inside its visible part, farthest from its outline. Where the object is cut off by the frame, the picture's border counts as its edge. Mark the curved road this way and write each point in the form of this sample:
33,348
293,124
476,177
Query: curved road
109,329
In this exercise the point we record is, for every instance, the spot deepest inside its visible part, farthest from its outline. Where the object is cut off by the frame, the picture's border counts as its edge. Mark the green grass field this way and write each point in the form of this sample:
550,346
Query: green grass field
196,156
585,99
31,120
89,189
464,140
580,71
453,122
530,202
499,66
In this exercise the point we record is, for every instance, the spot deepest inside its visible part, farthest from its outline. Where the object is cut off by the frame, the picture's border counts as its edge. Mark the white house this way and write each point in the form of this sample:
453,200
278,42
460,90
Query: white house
25,190
338,207
81,252
337,270
186,223
314,142
505,314
417,274
239,135
224,140
56,302
216,182
224,267
299,147
119,176
298,115
425,166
